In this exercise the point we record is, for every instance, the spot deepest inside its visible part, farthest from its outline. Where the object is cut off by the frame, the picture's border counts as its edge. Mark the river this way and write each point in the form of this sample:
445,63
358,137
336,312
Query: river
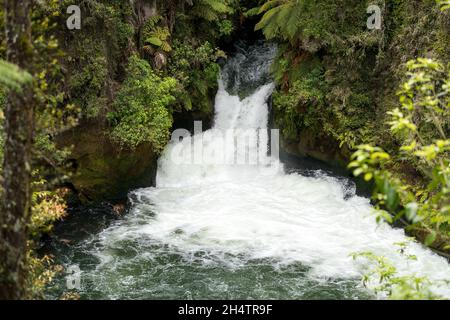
233,230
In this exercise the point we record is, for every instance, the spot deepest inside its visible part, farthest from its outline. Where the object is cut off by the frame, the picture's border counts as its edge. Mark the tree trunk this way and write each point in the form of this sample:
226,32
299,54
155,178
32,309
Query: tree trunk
17,163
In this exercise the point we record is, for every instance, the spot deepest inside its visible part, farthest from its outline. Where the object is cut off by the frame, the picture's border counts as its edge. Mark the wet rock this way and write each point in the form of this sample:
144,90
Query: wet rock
119,209
102,170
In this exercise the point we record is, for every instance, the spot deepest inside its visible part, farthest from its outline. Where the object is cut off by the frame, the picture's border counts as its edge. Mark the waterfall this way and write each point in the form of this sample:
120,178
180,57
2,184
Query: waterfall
227,230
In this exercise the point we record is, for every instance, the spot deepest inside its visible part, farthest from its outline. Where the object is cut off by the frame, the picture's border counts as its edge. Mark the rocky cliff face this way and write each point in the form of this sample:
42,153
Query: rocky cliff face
320,147
102,171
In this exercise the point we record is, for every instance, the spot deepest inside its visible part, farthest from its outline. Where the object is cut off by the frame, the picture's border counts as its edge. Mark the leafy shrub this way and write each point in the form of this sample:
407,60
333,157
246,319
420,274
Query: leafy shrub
421,127
48,207
297,108
211,10
87,86
383,278
225,27
196,71
142,107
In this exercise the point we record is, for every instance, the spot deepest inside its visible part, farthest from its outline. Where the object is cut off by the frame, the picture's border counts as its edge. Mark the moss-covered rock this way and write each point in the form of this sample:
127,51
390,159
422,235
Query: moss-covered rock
103,171
318,146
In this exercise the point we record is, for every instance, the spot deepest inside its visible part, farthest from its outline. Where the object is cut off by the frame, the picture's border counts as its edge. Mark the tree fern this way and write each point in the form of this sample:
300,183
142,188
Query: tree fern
271,4
281,19
217,5
293,20
159,37
211,10
268,24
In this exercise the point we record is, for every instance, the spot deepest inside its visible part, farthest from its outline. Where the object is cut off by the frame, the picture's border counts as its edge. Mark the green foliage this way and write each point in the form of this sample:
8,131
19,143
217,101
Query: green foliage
298,20
155,35
47,150
211,10
332,38
196,71
296,109
95,56
421,127
87,85
444,4
41,272
382,277
84,72
425,93
53,111
280,19
226,27
142,107
206,20
191,58
48,207
12,77
52,115
357,62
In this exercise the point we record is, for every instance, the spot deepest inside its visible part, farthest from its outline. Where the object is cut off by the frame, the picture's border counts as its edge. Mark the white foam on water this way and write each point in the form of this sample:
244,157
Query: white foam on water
255,212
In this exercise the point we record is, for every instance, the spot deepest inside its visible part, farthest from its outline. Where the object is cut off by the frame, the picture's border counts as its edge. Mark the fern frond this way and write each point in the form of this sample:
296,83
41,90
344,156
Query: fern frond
211,10
281,18
217,5
154,41
271,4
165,46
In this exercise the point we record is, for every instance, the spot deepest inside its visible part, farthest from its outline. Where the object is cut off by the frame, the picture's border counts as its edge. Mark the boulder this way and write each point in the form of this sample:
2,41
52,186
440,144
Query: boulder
102,170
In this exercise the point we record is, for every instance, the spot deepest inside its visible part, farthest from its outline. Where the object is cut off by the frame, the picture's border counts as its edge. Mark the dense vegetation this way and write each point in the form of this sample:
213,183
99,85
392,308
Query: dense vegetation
112,74
135,66
361,88
339,81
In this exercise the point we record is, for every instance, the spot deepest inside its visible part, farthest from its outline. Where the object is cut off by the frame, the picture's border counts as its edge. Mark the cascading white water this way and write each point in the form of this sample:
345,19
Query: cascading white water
210,156
204,224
